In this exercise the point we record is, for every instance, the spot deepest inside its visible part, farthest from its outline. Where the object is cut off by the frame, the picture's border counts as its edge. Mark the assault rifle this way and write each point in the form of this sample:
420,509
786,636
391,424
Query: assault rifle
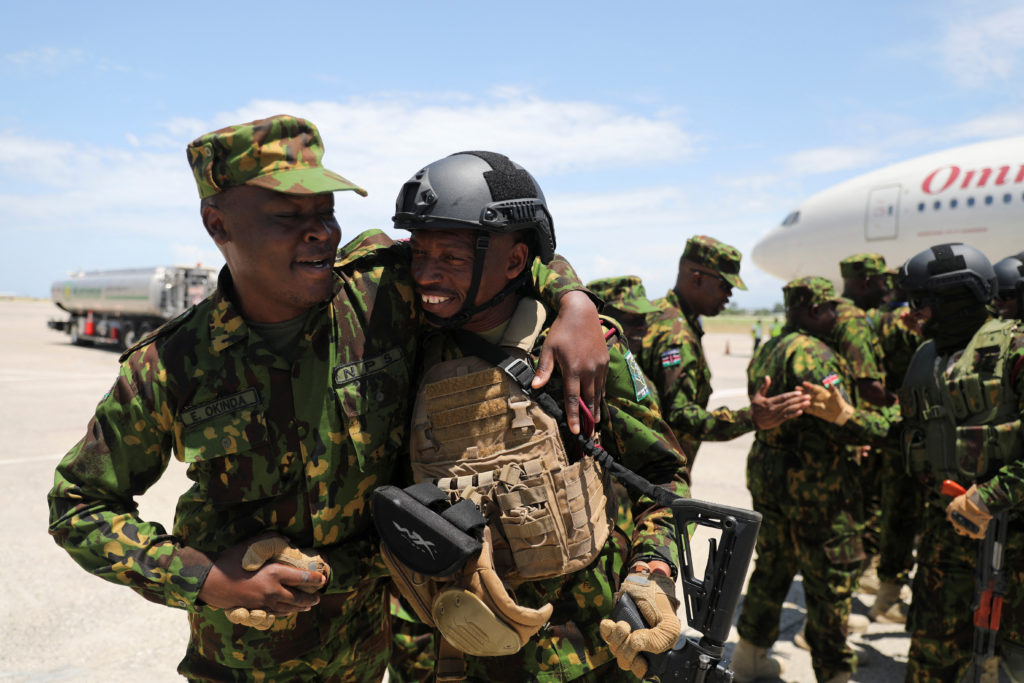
989,584
711,602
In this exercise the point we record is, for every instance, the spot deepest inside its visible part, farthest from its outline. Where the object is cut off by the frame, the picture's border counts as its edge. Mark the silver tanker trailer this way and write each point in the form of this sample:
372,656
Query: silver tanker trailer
120,306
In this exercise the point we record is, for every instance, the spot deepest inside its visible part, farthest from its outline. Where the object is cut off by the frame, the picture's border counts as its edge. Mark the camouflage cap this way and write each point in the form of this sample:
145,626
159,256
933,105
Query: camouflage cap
863,265
280,153
808,291
718,256
625,293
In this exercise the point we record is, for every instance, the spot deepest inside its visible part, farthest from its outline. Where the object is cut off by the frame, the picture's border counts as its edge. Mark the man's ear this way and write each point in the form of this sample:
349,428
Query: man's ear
518,256
213,221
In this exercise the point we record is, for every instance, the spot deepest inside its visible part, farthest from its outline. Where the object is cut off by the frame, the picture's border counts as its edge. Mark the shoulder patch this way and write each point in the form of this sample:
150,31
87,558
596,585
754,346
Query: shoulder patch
670,358
830,381
640,388
166,328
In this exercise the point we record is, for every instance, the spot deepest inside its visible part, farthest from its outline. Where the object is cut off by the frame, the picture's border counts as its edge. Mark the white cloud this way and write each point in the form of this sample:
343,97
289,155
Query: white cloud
831,159
975,53
48,60
142,190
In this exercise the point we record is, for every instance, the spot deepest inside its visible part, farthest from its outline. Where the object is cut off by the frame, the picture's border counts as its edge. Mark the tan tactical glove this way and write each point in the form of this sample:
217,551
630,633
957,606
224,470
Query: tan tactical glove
479,616
257,618
827,404
969,506
278,549
275,549
654,595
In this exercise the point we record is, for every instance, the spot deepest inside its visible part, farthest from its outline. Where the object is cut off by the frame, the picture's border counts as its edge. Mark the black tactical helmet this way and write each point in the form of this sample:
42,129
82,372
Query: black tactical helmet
1009,276
476,191
481,191
948,266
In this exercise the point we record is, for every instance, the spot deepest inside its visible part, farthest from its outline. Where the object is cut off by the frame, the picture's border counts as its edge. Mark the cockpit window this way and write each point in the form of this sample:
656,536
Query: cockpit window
791,218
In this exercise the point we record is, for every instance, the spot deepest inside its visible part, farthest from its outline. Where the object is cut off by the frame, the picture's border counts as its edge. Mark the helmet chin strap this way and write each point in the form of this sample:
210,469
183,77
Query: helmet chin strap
468,310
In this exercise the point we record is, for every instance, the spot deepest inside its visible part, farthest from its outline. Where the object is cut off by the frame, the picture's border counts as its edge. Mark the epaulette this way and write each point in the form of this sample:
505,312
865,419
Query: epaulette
364,244
163,330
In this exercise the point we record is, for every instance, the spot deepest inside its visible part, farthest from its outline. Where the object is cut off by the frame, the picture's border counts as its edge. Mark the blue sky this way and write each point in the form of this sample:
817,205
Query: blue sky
643,124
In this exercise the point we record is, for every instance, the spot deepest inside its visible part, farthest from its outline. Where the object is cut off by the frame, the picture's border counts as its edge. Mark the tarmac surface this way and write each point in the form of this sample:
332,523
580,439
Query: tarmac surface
61,625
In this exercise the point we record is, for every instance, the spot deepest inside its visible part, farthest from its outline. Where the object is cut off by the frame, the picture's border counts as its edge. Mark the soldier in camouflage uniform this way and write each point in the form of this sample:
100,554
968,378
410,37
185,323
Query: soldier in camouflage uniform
806,484
865,284
673,355
285,393
962,401
448,270
625,299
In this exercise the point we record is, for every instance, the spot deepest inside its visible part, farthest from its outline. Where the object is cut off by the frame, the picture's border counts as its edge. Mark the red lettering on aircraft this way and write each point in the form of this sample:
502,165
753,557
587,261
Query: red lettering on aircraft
943,178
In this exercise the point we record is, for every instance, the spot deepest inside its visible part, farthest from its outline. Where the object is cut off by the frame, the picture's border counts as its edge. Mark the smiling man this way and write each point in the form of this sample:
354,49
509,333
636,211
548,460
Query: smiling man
477,220
285,394
673,353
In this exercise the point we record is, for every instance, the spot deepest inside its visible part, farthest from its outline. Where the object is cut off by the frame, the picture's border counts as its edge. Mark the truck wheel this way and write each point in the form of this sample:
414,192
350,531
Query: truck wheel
73,331
128,337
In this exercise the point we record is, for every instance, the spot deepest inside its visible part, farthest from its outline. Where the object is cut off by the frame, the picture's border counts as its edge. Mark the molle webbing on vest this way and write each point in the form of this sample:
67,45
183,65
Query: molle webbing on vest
960,420
479,437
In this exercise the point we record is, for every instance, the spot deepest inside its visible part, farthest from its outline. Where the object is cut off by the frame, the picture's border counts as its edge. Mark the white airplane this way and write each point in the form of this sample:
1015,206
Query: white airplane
972,194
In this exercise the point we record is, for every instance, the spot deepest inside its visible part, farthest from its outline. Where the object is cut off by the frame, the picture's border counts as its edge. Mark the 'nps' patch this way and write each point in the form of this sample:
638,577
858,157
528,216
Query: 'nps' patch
830,381
640,387
349,372
670,358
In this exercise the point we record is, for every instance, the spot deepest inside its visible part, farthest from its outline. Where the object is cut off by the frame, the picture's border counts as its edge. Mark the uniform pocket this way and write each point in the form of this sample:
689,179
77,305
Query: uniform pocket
373,396
228,457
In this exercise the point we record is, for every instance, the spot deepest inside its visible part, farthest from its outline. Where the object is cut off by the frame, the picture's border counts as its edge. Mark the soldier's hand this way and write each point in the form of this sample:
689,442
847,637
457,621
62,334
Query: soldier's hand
657,608
275,588
827,404
968,514
769,412
576,342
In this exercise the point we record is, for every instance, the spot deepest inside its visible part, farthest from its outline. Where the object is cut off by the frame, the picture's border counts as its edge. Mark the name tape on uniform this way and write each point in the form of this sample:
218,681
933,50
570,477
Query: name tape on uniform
250,398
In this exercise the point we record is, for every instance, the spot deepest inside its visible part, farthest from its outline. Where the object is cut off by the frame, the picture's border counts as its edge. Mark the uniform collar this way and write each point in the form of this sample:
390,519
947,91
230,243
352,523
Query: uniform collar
227,326
691,318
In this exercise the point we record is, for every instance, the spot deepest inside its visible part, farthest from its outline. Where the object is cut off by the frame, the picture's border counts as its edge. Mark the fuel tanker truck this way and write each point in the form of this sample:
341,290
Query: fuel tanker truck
119,307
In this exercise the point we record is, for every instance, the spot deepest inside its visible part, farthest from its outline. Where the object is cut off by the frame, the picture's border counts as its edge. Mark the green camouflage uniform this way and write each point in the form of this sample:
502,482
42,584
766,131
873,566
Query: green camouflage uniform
856,339
805,483
625,294
570,647
293,446
940,619
673,358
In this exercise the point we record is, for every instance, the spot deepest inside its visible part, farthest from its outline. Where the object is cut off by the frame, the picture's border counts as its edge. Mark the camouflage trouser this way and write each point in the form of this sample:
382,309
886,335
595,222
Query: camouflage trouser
361,659
940,620
827,554
873,471
901,516
412,646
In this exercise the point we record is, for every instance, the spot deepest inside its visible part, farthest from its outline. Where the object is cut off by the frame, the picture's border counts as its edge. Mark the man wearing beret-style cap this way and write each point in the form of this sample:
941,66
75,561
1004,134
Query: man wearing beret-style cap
673,356
803,479
284,393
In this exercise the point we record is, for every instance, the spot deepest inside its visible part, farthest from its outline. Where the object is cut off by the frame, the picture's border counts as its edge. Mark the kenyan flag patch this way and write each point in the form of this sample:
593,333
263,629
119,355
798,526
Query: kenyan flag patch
830,381
670,358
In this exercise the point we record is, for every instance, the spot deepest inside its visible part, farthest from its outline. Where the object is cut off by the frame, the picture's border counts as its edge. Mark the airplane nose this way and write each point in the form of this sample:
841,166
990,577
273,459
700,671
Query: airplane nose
770,253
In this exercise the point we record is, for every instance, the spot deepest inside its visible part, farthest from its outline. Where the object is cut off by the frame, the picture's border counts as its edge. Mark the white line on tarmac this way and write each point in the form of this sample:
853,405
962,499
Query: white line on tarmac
36,458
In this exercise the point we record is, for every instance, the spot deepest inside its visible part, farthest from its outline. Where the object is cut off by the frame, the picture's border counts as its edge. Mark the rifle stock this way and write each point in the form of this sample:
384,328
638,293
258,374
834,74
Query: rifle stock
710,601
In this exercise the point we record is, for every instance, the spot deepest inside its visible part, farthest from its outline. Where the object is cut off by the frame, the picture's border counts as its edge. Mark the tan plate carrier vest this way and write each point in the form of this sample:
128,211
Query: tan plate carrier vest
477,435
